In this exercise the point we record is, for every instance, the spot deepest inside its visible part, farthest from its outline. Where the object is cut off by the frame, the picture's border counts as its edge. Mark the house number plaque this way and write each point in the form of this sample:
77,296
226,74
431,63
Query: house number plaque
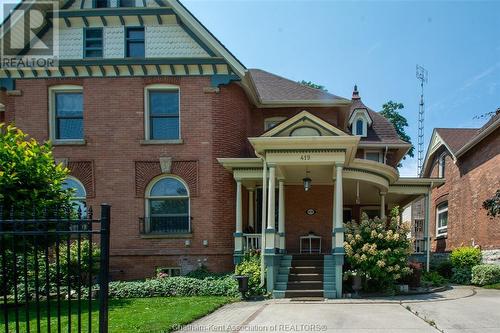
311,211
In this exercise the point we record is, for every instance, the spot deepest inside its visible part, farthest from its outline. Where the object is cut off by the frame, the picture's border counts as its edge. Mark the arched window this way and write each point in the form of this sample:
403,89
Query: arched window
305,131
360,127
167,206
79,194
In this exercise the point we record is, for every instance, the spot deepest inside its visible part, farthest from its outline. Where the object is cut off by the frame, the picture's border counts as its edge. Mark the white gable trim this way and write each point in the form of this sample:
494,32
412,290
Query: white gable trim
434,144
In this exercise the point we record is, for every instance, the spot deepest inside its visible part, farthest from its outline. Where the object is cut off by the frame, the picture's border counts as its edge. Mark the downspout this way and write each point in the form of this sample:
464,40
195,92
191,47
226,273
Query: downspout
385,154
428,213
263,227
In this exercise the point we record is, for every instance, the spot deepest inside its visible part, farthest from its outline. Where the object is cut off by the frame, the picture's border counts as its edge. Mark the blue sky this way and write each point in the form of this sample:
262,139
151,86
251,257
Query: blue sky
375,45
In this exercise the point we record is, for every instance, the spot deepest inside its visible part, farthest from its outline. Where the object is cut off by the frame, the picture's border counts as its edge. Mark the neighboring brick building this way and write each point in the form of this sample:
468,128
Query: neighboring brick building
468,159
153,115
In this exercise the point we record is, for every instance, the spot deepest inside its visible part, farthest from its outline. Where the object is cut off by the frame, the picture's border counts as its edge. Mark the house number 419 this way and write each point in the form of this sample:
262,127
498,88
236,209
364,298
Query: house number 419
305,157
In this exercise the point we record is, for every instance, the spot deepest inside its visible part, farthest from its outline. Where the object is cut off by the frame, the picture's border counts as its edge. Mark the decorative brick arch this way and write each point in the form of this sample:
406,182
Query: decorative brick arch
145,171
84,172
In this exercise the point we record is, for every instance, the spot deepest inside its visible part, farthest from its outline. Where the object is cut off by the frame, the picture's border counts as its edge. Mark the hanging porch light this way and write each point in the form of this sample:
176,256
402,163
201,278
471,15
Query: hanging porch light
307,181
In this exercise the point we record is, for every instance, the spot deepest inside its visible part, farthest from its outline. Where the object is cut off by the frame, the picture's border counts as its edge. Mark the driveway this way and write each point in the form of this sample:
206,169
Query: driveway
462,309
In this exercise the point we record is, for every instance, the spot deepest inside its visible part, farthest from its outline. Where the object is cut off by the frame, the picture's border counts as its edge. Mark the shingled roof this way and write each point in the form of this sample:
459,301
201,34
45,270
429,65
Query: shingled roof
274,88
456,138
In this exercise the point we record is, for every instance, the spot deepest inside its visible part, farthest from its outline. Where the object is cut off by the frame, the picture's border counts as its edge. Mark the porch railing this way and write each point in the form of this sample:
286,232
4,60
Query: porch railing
165,225
252,241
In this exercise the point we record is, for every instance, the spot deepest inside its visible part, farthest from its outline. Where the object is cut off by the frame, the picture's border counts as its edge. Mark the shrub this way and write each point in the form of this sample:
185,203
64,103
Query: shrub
174,286
378,250
203,272
433,279
445,269
462,260
250,266
465,257
485,274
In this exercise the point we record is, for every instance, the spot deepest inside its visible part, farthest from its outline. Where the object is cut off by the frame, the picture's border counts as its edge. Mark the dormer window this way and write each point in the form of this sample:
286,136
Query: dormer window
360,127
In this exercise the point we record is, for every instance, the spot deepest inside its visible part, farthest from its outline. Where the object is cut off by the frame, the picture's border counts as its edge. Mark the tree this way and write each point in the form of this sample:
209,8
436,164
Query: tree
390,111
313,85
492,205
28,175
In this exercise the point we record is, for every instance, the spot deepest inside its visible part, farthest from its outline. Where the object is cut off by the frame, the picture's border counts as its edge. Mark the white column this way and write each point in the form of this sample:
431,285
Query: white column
251,208
281,217
270,230
382,204
339,201
427,234
238,236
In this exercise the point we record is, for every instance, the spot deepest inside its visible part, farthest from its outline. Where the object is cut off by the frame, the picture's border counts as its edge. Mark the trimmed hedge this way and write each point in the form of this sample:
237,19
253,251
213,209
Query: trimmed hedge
485,274
463,259
174,286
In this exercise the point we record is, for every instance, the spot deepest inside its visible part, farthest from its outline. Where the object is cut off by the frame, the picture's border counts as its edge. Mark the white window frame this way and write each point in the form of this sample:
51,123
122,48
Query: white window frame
272,121
148,197
52,113
442,166
147,129
440,229
170,269
379,152
360,115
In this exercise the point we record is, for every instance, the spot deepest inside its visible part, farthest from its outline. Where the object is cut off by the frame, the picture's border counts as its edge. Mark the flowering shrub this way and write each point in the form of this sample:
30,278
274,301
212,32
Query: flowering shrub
378,250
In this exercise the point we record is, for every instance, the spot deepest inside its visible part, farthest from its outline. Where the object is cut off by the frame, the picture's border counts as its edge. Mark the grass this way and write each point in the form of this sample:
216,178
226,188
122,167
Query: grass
493,286
157,314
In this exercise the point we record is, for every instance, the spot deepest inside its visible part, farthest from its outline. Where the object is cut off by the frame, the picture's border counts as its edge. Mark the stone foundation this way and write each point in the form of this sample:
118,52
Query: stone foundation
491,256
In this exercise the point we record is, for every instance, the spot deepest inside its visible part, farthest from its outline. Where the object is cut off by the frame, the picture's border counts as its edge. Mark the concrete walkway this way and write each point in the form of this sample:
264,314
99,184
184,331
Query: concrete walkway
461,309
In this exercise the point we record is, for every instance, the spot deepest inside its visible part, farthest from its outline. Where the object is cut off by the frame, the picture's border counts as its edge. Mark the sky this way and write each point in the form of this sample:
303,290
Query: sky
375,45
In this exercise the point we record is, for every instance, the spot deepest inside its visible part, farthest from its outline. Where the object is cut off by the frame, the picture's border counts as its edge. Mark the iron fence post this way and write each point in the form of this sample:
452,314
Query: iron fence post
104,268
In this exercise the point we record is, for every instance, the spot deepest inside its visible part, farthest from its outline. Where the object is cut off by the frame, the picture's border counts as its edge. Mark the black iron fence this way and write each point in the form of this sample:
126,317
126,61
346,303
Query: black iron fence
165,225
54,270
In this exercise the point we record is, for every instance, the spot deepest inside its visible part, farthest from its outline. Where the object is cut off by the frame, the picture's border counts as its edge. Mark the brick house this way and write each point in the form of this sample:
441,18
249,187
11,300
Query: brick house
468,159
201,158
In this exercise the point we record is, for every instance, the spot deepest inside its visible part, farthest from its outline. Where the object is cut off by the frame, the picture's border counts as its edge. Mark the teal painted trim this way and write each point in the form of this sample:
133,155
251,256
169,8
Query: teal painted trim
85,21
128,11
144,70
130,69
82,4
270,251
142,61
89,70
218,79
7,72
75,70
339,250
104,21
196,39
117,71
49,74
68,22
141,21
68,4
282,234
21,73
172,69
200,69
214,69
186,69
7,84
270,231
160,3
144,3
160,21
85,39
238,234
238,252
122,20
103,71
339,230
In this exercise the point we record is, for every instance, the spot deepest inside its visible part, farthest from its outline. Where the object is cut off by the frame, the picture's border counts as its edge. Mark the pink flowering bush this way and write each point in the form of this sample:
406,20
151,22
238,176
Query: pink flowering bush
378,251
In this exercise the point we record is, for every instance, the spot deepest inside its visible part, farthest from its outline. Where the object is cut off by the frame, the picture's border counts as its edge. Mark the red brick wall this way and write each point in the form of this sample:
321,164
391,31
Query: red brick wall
212,125
474,178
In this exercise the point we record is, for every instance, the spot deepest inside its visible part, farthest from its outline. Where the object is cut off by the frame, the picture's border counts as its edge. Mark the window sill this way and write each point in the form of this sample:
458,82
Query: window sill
162,142
167,236
442,236
69,142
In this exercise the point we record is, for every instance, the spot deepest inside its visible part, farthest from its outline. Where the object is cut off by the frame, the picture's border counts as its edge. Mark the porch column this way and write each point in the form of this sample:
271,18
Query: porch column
270,237
251,222
382,204
281,218
238,235
338,251
427,235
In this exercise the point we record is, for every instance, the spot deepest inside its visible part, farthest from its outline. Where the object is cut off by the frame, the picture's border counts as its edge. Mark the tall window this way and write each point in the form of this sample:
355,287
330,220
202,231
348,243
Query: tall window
68,115
167,207
373,156
79,194
135,42
162,111
441,166
442,219
360,127
93,43
101,4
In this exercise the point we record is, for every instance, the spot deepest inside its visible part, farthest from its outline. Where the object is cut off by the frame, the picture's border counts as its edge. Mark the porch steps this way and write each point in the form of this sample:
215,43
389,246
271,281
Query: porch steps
303,276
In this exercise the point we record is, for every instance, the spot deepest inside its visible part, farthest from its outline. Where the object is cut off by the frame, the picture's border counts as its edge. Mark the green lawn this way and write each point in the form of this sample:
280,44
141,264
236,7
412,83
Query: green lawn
158,314
493,286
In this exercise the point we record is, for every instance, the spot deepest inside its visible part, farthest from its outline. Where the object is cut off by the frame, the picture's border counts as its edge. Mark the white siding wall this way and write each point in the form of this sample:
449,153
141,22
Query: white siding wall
71,43
161,41
114,42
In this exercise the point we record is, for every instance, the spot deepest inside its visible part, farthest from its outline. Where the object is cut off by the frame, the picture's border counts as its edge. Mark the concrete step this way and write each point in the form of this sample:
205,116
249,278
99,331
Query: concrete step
307,262
305,277
304,285
307,257
304,293
306,270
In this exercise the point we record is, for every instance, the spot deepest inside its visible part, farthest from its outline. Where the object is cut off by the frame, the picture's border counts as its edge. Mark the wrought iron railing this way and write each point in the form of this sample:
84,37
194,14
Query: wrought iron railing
165,225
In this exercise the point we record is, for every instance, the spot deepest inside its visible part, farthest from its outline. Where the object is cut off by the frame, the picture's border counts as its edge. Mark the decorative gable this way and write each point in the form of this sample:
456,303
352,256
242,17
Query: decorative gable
304,124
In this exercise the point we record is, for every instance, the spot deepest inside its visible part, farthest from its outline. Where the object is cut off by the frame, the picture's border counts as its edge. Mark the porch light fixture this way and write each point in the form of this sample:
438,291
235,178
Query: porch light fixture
307,182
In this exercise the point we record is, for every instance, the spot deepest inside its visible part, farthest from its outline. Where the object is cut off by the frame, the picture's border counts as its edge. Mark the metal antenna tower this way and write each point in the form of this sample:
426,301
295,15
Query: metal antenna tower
422,76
